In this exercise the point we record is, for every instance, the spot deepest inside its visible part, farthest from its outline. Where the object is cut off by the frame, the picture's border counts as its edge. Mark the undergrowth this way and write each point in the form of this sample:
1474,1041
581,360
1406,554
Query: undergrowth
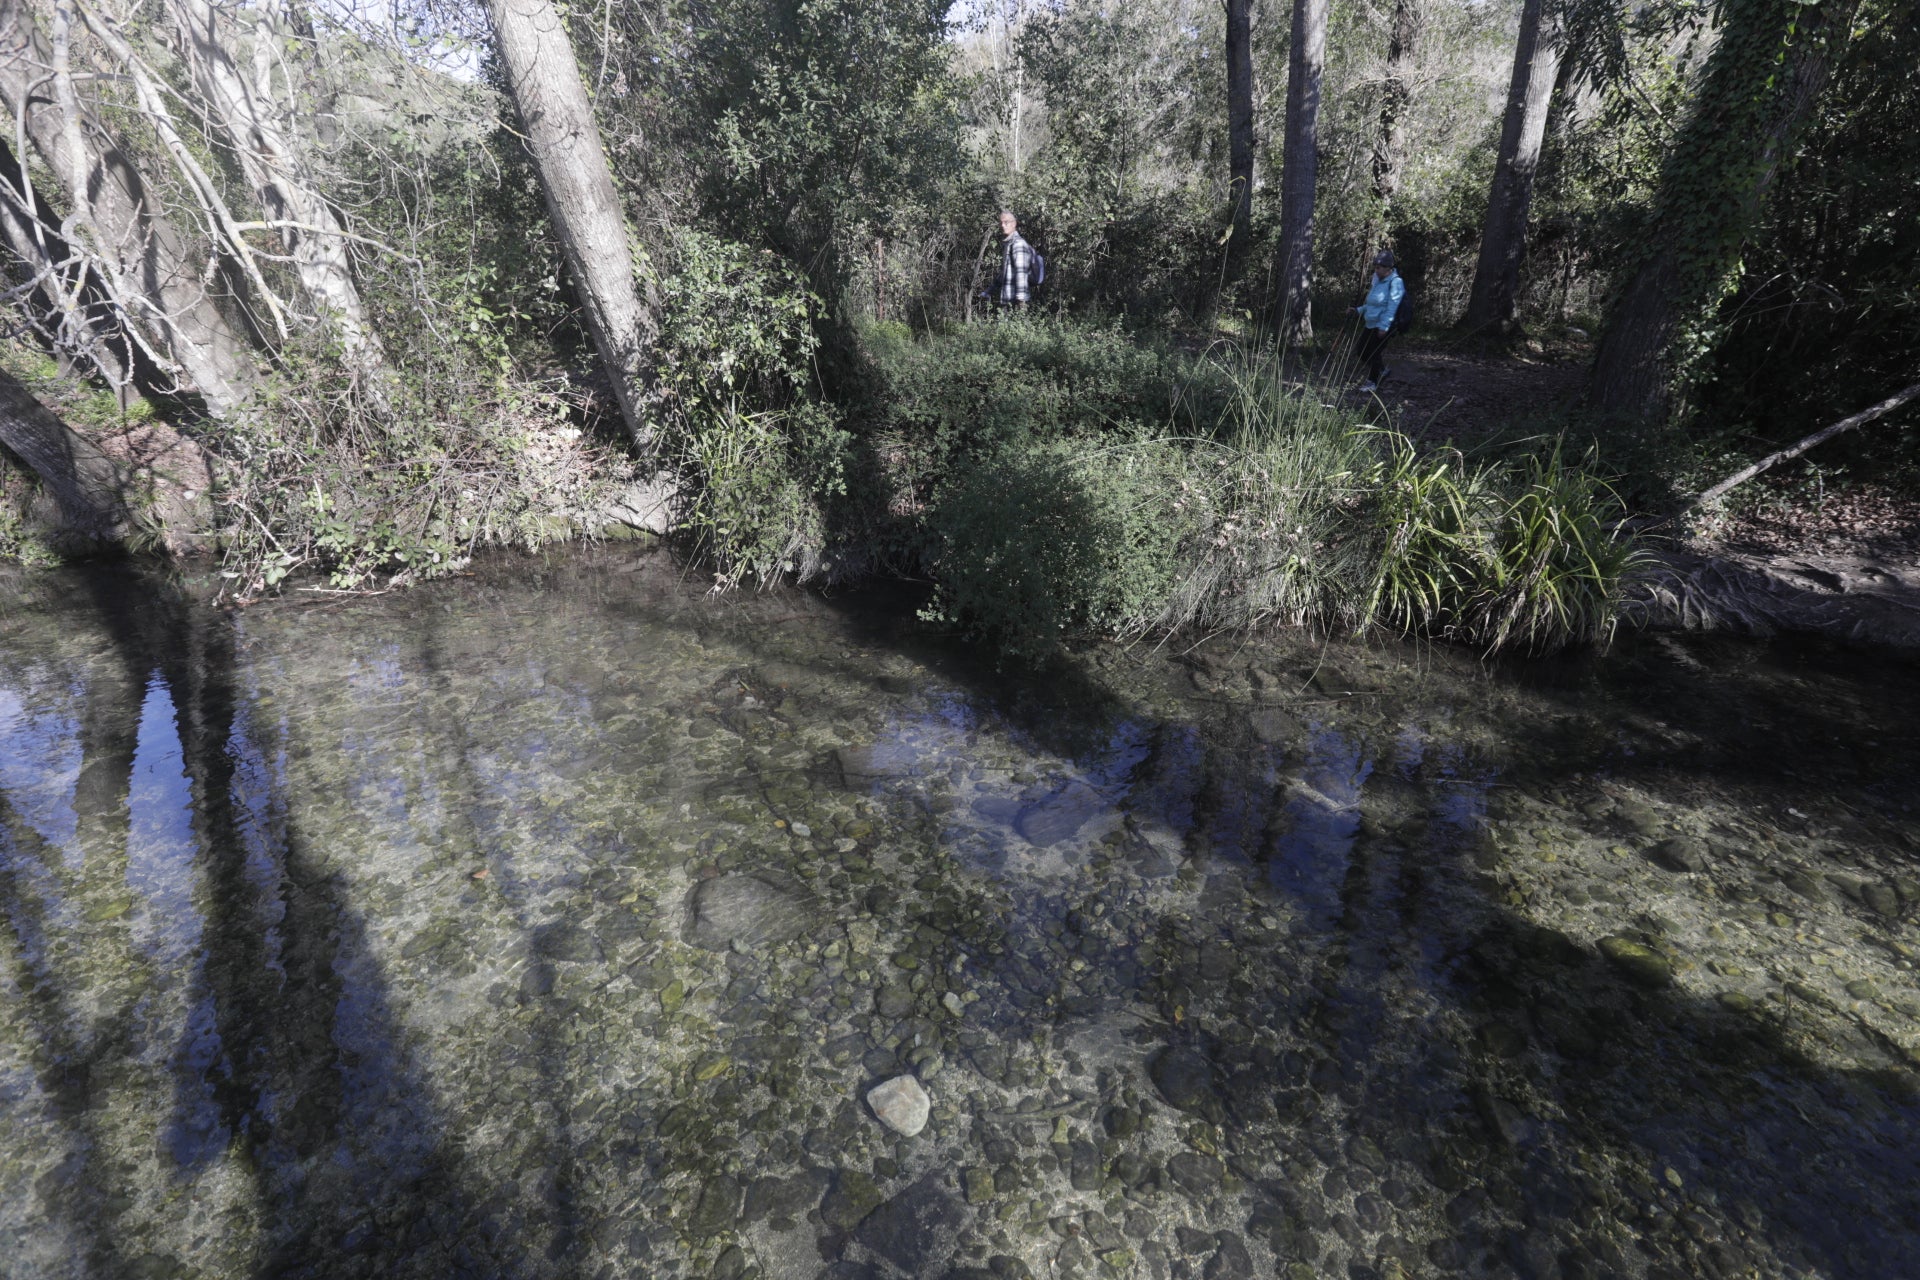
378,495
1285,508
19,542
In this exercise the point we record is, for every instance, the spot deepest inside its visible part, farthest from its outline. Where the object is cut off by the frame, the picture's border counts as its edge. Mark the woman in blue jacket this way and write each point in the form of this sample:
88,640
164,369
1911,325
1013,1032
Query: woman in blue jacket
1377,313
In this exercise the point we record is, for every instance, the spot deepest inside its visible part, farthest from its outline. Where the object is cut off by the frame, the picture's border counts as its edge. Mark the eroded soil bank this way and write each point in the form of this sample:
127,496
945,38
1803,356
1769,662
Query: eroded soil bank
558,922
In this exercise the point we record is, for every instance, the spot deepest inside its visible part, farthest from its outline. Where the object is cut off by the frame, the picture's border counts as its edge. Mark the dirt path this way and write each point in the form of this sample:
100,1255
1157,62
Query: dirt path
1436,391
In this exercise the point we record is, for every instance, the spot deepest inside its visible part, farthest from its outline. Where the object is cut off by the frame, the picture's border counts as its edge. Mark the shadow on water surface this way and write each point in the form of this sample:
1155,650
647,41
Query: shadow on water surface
288,1036
1579,1072
1404,1044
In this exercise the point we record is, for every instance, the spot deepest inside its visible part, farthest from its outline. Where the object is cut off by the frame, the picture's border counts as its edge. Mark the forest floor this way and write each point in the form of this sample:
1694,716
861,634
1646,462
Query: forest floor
1843,561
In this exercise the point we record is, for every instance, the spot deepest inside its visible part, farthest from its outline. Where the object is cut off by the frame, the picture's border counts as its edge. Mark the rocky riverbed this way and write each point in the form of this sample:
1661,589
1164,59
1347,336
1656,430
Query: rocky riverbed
567,922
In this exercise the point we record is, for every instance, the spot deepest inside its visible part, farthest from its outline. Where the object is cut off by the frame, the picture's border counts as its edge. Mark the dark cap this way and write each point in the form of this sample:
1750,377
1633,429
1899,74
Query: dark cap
1384,258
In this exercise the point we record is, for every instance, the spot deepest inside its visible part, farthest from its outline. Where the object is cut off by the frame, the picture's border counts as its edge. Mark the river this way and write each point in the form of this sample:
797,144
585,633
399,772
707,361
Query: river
558,921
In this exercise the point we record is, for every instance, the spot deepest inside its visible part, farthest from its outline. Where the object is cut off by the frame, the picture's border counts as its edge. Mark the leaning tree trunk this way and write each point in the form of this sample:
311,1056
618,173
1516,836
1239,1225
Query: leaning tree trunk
545,82
156,280
1759,89
1396,103
277,172
1240,139
1503,243
84,482
1300,168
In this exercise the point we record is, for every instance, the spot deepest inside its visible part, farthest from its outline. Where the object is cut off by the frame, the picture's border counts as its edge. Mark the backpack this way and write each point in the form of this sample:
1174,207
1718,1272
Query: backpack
1038,275
1403,316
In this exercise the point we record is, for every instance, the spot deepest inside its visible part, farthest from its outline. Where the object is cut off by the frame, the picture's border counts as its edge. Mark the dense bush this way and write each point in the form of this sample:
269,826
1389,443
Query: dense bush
741,424
1040,541
969,391
1826,319
1280,509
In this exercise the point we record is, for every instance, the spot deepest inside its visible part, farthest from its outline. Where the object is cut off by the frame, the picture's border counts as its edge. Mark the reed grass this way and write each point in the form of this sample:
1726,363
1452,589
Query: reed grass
1291,509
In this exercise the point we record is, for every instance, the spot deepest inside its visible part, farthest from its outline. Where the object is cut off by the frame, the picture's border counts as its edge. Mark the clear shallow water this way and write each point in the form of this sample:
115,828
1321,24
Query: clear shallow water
555,923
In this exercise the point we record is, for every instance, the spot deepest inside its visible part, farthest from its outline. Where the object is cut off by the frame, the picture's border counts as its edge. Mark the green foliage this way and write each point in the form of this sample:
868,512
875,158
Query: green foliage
1281,510
1826,318
968,392
1126,95
739,423
19,544
796,121
1740,129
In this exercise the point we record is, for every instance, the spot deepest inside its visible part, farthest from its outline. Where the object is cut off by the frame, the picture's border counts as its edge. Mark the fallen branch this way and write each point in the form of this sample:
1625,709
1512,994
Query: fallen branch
1819,437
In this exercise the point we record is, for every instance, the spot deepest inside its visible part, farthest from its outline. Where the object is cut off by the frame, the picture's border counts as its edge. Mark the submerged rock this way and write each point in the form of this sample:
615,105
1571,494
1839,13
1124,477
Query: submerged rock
747,911
914,1230
1642,964
1185,1079
1061,815
901,1104
1198,1175
853,1197
1682,853
718,1208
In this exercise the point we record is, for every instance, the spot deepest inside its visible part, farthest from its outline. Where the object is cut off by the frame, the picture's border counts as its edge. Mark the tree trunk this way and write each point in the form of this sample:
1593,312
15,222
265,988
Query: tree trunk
1759,88
1396,101
146,263
1503,242
1300,168
276,171
544,79
83,481
1240,139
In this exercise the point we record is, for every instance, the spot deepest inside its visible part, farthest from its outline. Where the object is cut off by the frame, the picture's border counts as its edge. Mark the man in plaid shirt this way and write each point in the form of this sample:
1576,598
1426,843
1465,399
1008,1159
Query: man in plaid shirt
1012,289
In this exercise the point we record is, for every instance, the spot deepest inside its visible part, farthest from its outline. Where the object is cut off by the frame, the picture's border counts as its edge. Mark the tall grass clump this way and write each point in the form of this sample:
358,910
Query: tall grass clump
1284,508
1271,483
1552,574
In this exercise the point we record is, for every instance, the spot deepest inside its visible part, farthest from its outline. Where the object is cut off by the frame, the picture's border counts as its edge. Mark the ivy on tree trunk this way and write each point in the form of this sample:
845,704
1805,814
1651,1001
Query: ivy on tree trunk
1759,88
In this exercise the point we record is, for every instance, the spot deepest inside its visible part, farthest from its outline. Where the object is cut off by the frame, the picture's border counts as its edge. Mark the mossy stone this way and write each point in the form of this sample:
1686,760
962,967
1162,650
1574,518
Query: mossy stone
854,1196
1640,963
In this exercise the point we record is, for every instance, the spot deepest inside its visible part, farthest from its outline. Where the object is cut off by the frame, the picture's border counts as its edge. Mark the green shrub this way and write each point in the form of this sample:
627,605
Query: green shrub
453,461
1044,540
758,453
1289,509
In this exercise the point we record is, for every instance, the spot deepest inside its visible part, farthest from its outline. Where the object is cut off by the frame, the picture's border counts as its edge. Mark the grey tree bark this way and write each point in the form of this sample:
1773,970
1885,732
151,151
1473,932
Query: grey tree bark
255,126
145,262
1396,99
544,79
1300,168
1503,241
84,482
1240,137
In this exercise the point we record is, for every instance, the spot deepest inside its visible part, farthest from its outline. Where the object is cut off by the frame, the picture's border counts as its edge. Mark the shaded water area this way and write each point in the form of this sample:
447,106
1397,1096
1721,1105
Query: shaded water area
557,921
